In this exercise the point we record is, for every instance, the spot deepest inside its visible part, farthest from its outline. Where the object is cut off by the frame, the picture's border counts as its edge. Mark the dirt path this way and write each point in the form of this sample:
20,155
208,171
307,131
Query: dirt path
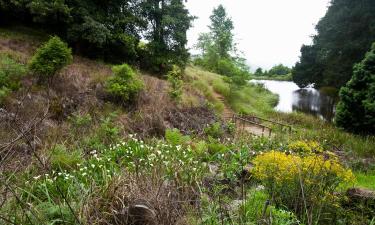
242,126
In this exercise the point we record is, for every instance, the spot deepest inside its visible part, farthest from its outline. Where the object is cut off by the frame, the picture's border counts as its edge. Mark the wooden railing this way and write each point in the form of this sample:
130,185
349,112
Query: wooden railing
257,119
254,121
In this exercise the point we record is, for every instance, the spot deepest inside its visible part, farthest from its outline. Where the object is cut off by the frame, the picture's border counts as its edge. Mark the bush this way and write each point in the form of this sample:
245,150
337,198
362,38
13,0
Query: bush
175,80
10,75
303,184
214,130
356,110
305,147
50,58
174,137
125,84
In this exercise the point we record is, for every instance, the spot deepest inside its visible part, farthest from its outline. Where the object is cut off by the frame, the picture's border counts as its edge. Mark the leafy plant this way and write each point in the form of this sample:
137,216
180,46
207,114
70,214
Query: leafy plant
214,130
50,58
356,109
10,75
174,137
175,80
124,85
303,184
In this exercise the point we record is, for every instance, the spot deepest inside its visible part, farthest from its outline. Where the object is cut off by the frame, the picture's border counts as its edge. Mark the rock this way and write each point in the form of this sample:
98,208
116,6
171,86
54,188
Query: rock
140,212
361,194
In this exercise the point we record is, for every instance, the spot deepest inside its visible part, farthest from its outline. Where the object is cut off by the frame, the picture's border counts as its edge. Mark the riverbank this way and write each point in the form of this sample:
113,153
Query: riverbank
255,99
278,78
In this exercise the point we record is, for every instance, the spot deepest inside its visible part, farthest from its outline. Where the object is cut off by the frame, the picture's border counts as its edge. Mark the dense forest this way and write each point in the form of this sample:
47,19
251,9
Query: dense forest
111,30
343,37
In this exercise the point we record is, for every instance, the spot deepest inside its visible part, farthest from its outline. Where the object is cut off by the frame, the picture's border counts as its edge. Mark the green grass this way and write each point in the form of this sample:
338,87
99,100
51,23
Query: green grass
205,82
23,33
252,99
275,77
365,180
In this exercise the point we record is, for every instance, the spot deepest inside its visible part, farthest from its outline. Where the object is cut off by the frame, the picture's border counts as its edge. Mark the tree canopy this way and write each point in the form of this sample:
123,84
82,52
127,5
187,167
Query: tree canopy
356,110
344,35
111,29
218,52
279,70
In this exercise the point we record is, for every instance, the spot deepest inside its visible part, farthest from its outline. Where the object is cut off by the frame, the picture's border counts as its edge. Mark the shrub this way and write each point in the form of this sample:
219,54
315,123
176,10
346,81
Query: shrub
174,137
50,58
305,147
303,184
175,80
10,75
125,84
214,130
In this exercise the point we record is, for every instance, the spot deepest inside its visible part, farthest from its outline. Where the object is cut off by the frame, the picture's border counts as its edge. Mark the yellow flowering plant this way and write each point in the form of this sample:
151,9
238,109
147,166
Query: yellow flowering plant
305,184
305,147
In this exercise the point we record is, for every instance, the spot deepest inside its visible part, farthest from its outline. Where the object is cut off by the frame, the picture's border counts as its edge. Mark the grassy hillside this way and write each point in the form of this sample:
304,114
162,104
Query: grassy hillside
71,155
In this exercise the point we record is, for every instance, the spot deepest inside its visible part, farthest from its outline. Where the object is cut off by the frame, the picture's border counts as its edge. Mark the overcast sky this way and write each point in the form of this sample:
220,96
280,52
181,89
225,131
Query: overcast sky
269,32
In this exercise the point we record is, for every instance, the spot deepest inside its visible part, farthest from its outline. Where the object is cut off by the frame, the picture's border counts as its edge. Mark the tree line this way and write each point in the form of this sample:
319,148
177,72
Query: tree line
149,32
343,37
338,58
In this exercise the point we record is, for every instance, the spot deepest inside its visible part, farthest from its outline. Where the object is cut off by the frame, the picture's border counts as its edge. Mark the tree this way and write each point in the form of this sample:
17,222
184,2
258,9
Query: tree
168,22
279,70
258,72
50,58
309,69
105,29
356,109
222,31
344,35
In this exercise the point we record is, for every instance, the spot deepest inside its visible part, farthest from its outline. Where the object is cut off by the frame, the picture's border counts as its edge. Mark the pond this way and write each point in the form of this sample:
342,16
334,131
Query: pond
320,103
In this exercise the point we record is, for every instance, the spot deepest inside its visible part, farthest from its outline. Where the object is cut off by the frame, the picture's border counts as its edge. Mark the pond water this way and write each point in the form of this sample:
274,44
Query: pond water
320,103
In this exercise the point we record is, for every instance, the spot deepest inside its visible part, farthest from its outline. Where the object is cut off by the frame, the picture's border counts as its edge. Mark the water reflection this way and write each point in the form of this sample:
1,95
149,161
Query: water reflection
306,100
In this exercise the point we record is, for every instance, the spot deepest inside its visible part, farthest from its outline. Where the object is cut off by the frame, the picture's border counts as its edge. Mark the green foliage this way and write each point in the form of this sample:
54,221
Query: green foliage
356,109
279,70
10,75
174,137
124,85
54,12
168,22
214,130
50,58
217,49
287,176
111,30
62,160
231,127
215,148
222,31
258,72
330,59
175,81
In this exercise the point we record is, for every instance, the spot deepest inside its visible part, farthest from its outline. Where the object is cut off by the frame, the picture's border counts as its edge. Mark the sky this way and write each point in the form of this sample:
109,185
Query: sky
268,32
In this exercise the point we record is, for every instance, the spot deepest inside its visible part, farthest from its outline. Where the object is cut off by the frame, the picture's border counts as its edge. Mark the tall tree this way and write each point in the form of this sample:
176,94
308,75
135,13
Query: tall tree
344,35
222,31
168,22
356,110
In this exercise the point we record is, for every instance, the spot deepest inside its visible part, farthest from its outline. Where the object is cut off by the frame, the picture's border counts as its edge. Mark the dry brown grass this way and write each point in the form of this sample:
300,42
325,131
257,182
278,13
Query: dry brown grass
146,200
